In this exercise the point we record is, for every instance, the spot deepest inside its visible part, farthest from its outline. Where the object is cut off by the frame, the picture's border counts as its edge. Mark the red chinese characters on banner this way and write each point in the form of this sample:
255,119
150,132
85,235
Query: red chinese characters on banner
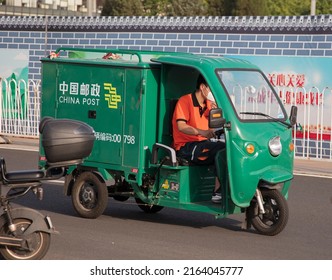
296,93
292,91
301,98
286,80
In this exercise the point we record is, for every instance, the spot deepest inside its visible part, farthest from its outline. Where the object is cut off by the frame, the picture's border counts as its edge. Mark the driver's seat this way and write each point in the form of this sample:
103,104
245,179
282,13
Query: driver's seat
171,158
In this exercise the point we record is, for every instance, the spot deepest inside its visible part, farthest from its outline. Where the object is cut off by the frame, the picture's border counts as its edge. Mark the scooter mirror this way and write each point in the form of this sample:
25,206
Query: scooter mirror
215,118
293,115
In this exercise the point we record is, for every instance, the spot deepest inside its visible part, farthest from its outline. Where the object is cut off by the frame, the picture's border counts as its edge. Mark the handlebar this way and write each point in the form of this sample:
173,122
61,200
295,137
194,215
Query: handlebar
219,132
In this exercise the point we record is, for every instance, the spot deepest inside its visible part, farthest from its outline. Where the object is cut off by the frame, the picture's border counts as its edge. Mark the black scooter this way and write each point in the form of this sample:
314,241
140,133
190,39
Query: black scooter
25,234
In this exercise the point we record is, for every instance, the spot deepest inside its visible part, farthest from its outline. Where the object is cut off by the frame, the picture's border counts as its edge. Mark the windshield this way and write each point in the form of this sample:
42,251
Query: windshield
252,96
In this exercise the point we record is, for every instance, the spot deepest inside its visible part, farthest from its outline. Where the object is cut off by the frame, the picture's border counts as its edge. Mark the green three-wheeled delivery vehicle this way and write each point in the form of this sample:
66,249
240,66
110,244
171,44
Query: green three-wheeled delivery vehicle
128,98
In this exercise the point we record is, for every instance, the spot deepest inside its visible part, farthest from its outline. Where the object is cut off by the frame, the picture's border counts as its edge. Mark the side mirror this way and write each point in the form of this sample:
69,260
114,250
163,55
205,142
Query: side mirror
215,118
293,115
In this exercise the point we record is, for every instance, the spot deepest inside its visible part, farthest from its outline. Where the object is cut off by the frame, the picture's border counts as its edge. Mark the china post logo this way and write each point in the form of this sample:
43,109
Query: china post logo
111,96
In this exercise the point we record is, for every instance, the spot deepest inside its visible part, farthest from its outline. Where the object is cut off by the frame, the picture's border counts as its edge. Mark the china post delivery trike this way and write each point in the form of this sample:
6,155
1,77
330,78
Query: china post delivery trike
128,97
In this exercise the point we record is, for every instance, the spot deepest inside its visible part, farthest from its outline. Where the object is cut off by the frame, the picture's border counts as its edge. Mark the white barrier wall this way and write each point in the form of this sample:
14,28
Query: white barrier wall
19,107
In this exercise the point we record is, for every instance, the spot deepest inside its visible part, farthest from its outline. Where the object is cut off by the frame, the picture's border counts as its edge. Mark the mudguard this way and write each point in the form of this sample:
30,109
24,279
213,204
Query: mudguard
39,221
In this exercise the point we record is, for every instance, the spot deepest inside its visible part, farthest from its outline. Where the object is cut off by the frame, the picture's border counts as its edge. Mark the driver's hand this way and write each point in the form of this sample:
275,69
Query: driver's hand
208,133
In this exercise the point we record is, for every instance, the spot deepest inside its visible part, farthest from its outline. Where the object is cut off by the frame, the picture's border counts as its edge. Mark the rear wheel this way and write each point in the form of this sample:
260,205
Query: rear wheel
35,245
148,208
275,218
89,195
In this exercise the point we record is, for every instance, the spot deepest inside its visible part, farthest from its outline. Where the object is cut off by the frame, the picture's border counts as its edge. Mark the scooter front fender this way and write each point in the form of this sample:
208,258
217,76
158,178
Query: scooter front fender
39,221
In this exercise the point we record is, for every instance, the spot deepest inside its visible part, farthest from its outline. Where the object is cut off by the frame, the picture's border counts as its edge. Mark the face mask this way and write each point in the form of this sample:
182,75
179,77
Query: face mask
210,97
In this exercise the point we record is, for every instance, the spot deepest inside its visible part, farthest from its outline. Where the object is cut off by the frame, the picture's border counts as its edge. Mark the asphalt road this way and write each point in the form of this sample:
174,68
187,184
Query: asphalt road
125,232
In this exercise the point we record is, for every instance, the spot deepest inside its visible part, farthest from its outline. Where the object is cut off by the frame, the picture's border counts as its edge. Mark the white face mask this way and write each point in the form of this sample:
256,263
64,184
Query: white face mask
210,97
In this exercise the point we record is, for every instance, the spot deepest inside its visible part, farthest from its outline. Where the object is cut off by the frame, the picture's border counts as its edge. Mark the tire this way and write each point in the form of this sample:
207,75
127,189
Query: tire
276,213
38,242
89,195
148,208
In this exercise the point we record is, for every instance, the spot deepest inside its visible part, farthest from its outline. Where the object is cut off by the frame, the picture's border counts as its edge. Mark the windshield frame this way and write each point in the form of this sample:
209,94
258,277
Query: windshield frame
258,117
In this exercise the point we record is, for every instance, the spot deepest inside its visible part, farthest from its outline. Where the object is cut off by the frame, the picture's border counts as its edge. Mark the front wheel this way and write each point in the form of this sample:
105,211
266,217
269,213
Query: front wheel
275,218
89,195
35,245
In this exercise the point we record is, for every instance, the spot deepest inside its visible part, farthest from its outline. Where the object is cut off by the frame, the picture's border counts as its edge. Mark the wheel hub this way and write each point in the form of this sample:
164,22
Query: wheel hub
269,213
88,195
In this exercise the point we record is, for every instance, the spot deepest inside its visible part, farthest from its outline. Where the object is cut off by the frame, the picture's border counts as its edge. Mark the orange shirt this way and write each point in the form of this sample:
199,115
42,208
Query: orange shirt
189,110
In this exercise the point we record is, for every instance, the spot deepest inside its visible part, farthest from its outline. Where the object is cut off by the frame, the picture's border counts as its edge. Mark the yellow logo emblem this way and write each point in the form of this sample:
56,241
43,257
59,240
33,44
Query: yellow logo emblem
165,185
111,96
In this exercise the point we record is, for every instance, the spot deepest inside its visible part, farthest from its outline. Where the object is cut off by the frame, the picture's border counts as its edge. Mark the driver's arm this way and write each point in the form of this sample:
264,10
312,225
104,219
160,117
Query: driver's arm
190,130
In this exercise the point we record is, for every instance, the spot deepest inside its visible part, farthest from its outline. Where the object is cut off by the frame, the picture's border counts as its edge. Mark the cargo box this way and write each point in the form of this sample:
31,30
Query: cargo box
66,140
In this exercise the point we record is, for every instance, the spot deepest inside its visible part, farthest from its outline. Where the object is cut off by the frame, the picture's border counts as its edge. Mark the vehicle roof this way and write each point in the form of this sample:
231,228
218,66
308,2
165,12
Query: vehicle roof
146,59
202,61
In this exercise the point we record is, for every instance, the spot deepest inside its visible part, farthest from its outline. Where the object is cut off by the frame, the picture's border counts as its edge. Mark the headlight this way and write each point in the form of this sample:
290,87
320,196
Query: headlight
275,146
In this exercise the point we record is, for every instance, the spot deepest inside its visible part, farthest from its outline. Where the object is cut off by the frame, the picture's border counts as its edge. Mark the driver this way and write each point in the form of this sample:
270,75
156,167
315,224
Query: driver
191,132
